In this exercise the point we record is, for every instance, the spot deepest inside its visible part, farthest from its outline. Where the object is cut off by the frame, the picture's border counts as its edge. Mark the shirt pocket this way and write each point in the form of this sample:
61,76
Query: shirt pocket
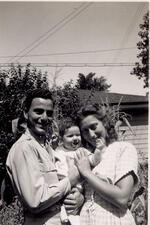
47,168
49,172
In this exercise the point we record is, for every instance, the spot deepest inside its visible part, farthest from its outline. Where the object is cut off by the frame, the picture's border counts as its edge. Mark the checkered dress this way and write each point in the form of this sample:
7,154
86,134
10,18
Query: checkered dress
118,160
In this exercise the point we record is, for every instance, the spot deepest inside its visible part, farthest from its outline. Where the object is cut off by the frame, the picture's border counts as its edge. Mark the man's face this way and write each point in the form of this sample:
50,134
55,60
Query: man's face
40,115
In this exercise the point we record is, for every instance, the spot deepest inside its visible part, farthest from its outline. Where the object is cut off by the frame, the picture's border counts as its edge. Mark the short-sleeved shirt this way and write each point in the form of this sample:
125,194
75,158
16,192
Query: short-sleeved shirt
34,176
118,159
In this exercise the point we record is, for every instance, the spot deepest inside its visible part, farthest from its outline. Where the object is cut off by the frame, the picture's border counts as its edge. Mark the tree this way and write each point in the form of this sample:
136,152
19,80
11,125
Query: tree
141,69
67,101
90,82
14,83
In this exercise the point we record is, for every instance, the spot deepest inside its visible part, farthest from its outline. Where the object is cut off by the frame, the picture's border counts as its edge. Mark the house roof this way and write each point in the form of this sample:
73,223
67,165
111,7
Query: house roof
112,98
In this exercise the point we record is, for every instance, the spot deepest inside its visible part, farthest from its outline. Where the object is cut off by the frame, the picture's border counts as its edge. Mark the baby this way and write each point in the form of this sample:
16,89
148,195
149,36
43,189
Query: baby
70,141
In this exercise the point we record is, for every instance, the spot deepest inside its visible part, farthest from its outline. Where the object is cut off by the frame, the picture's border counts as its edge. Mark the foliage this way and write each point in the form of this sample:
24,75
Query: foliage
14,83
67,101
90,82
141,69
12,214
139,206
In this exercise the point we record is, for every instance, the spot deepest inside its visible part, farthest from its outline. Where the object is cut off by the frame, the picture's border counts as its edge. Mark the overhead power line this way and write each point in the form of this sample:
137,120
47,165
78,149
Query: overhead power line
53,30
72,53
71,64
128,32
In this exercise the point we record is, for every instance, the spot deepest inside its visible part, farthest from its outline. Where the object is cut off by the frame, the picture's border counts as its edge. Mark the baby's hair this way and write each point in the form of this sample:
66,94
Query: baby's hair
65,124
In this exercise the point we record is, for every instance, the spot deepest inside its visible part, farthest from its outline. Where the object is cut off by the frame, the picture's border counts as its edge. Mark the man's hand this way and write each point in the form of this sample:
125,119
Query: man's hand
73,201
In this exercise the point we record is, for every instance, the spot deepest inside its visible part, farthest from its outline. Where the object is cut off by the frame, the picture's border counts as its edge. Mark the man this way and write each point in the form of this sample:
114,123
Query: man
31,166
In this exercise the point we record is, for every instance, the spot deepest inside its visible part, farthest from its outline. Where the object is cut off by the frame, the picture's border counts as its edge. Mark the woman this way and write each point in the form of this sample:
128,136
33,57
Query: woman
106,199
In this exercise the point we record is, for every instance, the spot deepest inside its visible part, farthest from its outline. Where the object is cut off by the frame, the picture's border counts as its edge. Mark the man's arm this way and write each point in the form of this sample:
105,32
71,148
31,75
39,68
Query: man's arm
37,193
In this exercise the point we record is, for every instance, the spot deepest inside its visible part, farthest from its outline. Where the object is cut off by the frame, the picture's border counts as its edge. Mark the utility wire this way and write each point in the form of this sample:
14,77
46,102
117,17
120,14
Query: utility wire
72,64
55,28
74,53
128,32
74,16
39,38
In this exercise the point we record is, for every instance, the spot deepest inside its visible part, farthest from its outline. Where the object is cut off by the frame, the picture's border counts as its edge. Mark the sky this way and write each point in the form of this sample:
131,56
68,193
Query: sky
68,38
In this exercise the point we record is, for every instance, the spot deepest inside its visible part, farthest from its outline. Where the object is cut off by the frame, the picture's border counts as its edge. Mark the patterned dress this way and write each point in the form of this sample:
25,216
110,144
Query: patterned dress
118,159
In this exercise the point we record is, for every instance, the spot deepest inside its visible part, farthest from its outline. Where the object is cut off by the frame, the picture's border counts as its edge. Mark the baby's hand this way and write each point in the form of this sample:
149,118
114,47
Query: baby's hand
100,143
95,158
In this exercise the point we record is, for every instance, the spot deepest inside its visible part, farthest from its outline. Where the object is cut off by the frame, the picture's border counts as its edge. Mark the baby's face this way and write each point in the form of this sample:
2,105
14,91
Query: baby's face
72,138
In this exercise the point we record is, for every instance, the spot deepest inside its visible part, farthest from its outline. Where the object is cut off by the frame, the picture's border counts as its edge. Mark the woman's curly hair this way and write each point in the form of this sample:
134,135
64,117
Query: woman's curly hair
102,113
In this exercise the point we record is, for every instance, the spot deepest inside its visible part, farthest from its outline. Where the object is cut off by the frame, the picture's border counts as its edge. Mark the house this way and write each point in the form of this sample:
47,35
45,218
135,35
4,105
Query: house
134,105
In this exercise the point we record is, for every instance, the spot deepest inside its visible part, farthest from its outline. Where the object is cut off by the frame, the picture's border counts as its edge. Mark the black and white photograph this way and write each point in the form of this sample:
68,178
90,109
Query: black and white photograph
74,96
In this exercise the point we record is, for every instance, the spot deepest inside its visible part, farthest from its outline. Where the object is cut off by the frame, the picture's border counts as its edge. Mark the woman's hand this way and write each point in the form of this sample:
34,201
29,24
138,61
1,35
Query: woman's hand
82,162
73,173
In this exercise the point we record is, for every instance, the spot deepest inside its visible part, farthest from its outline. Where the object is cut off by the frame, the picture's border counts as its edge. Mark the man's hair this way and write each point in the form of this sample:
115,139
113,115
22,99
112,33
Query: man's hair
36,93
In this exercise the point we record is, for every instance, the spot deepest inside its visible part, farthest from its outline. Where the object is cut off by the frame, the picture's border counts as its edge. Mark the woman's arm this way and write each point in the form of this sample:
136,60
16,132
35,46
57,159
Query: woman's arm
117,194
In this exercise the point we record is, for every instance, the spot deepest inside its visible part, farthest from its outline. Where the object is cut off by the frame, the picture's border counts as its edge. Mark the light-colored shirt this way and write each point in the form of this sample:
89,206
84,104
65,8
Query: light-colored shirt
32,171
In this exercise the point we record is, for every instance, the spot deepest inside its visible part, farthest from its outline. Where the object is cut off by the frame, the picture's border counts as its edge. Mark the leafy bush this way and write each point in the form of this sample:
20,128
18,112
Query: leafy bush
67,101
140,204
12,214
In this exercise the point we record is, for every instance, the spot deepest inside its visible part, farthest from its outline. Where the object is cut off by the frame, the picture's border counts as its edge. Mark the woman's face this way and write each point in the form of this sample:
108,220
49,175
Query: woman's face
92,130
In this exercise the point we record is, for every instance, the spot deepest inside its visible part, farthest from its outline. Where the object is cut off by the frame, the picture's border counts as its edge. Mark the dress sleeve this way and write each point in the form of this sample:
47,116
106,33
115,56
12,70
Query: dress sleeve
127,161
37,193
